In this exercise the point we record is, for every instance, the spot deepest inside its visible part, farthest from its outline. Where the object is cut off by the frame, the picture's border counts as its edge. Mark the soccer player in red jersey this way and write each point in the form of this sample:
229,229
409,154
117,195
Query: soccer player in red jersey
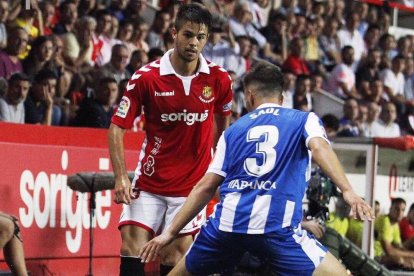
187,103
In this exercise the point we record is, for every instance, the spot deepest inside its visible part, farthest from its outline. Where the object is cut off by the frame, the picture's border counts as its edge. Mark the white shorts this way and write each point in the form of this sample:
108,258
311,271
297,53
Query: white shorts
155,213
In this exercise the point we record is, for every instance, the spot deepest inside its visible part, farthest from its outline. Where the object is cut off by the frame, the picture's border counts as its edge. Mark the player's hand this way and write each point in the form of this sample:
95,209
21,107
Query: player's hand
123,190
314,227
150,250
360,209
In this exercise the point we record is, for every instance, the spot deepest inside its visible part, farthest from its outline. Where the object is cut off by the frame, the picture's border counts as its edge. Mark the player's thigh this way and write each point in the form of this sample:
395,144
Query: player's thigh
174,252
180,269
291,253
174,205
140,220
214,251
330,266
133,239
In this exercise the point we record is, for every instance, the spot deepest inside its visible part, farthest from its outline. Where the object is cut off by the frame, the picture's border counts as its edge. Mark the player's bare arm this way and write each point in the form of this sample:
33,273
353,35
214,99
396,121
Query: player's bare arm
220,124
123,189
326,158
201,194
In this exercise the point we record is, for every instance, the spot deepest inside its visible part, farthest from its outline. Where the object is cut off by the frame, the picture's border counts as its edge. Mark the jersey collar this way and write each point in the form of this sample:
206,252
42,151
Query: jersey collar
167,69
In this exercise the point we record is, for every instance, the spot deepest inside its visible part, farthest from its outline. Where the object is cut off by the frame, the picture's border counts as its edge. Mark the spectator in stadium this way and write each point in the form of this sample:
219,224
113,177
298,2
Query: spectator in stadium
242,62
241,25
372,116
140,34
242,218
329,44
48,13
388,247
277,34
331,125
368,72
12,244
97,112
4,13
78,48
371,37
124,36
376,90
295,62
338,220
407,229
302,98
102,39
341,81
160,26
289,84
12,105
39,107
117,8
40,56
350,36
220,50
388,46
155,54
394,83
191,135
404,47
68,16
138,59
17,42
386,126
116,67
349,125
26,21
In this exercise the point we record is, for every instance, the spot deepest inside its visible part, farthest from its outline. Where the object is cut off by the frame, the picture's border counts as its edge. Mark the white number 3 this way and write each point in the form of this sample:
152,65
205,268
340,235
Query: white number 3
265,148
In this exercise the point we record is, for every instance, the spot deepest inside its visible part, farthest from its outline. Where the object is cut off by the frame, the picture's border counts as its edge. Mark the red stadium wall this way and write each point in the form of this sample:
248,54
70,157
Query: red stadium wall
35,163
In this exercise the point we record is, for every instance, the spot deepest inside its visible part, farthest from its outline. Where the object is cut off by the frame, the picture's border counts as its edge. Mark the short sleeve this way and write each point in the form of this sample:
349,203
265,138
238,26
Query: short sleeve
131,103
217,165
314,128
223,104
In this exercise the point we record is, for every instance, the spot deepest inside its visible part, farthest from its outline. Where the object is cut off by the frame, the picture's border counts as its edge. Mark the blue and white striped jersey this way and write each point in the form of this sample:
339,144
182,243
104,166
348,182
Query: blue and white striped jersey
266,164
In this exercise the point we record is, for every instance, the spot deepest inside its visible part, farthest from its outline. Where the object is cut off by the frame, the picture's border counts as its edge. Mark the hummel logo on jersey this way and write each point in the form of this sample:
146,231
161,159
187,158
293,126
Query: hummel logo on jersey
188,118
164,94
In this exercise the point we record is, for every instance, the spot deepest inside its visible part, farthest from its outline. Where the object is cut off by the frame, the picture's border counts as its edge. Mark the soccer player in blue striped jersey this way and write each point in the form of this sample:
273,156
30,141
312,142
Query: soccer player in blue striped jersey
262,166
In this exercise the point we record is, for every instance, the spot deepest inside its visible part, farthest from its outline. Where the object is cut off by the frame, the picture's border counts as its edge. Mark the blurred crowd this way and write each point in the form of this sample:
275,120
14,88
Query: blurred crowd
68,62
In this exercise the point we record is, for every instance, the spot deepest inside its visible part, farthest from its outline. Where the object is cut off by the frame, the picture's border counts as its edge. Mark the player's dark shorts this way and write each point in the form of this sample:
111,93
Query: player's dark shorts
214,251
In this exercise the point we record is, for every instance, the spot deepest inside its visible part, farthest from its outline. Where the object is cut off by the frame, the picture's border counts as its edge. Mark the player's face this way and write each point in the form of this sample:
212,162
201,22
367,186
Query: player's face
190,40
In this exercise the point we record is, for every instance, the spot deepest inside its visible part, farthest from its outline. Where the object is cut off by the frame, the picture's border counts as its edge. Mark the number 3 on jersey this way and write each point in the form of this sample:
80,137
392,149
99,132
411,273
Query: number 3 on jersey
265,148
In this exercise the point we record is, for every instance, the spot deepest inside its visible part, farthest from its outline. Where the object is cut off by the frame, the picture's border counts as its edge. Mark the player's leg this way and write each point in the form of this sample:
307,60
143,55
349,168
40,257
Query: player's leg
138,224
14,256
180,269
330,266
173,253
12,245
133,238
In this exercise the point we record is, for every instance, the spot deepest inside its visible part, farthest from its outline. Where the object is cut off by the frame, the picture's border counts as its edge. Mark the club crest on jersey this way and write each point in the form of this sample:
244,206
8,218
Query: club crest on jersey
123,107
206,95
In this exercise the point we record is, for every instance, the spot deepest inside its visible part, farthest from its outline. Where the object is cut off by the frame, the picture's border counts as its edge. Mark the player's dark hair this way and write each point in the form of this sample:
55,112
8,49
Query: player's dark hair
267,79
195,13
411,208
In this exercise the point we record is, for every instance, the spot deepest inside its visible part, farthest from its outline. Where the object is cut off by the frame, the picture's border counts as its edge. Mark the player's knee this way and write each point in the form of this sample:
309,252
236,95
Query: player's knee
6,229
330,266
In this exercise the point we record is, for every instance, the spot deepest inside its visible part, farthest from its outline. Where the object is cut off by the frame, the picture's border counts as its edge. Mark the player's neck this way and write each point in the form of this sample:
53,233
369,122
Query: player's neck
259,102
183,68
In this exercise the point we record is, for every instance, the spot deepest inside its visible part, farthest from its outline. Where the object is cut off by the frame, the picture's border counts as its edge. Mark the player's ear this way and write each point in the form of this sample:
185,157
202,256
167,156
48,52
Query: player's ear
174,32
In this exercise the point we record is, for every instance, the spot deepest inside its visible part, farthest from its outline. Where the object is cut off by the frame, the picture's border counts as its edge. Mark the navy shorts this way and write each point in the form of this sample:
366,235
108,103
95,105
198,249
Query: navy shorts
214,251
